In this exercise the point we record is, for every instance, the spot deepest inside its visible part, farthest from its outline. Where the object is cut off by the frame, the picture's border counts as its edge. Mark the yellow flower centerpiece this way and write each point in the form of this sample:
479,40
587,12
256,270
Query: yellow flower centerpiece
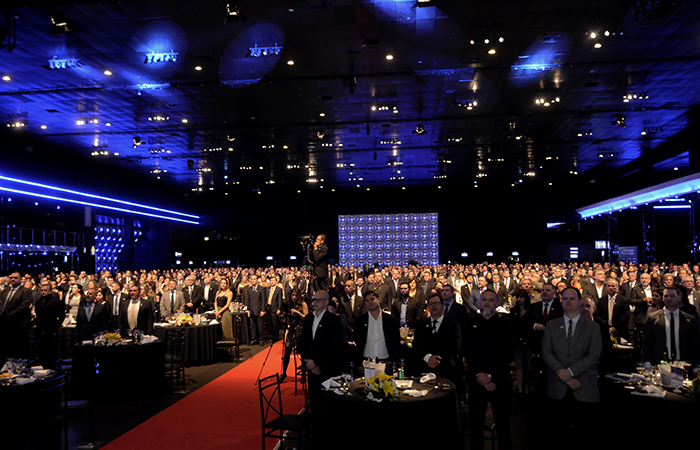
108,339
184,320
381,387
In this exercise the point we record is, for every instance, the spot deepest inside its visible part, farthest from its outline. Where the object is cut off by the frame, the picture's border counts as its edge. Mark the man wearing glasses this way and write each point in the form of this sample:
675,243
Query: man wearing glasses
437,341
15,318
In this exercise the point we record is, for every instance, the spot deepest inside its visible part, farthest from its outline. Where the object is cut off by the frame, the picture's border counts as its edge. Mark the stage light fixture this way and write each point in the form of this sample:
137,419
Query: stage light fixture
419,130
233,14
320,133
60,23
619,121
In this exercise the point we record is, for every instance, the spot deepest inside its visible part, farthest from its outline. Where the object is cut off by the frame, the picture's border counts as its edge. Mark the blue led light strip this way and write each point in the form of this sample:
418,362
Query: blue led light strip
680,186
83,194
96,205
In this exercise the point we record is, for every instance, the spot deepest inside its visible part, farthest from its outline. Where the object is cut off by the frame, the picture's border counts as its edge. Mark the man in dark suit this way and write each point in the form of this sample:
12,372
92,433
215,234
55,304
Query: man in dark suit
116,298
376,333
499,288
319,344
407,310
596,289
137,313
489,352
15,318
510,283
318,256
427,283
571,349
50,312
352,305
193,296
627,288
691,296
437,341
671,332
615,309
535,318
256,305
476,293
93,317
273,309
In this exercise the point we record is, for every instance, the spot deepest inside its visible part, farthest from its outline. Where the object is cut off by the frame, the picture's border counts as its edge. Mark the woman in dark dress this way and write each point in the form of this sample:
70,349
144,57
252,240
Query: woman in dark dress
222,308
295,323
521,301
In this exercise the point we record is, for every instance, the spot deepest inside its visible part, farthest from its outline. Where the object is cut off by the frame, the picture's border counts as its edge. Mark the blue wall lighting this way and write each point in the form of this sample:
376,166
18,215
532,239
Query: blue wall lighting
388,239
673,188
40,190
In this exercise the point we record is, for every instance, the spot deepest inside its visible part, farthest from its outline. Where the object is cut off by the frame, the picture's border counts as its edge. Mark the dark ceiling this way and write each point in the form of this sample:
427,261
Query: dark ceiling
257,123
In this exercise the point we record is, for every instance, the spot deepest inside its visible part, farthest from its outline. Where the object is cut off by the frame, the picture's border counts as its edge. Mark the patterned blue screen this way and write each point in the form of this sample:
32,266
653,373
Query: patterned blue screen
388,239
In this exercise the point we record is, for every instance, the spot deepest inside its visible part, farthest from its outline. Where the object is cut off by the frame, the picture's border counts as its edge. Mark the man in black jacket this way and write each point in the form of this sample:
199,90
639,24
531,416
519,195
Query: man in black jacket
50,312
318,256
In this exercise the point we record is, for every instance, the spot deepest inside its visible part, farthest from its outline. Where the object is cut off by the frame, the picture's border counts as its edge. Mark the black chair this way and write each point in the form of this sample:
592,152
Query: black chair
299,374
175,358
232,346
275,423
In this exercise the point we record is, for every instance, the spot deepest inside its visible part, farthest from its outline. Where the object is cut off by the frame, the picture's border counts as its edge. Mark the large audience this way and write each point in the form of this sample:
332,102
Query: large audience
387,314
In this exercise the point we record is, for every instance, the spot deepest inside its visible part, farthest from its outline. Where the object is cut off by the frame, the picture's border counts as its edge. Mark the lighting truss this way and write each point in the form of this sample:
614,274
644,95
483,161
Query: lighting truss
680,186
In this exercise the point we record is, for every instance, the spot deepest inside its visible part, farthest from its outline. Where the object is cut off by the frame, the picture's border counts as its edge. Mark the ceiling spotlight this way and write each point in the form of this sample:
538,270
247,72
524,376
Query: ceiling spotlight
233,14
424,3
619,121
419,130
320,133
60,23
137,141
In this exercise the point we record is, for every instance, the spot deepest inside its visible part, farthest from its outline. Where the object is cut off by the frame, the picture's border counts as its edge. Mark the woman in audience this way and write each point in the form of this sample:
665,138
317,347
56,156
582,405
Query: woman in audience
521,301
461,281
222,308
657,296
74,299
298,309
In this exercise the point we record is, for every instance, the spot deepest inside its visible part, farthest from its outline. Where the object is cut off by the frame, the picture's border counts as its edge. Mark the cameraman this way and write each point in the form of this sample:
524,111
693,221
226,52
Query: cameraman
318,256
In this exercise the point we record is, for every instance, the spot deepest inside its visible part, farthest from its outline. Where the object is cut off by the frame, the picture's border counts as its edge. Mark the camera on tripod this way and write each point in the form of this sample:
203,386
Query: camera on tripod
307,242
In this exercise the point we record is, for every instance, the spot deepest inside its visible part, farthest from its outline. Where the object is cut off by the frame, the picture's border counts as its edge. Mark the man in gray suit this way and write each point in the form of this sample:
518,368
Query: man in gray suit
173,300
571,348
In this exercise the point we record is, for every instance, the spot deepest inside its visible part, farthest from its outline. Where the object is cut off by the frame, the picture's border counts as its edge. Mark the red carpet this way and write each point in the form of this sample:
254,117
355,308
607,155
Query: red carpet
224,414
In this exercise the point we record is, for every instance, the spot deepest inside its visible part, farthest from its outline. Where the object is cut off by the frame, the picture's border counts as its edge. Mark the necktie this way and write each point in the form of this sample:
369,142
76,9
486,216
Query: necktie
116,305
569,333
544,312
673,337
88,311
611,304
434,326
172,302
447,308
269,300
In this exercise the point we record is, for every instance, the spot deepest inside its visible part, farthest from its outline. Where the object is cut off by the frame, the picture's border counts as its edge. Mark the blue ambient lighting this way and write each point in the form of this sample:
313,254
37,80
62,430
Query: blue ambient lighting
97,205
672,207
680,186
93,196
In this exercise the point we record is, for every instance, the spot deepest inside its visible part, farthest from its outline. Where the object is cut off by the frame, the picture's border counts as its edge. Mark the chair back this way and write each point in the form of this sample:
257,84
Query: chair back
270,398
175,344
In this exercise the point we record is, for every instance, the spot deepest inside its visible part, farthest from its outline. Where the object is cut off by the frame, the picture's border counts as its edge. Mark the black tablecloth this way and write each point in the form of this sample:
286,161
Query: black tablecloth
200,342
128,370
241,324
351,422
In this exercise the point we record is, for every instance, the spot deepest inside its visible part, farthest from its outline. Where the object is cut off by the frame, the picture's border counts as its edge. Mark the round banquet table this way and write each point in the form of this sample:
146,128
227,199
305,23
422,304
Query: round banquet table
200,341
129,370
352,422
641,421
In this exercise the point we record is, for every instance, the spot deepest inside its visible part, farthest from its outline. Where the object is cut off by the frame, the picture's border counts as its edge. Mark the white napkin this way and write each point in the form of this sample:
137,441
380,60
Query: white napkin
149,339
403,384
37,367
213,322
427,377
87,342
652,391
330,384
23,380
6,367
415,392
41,372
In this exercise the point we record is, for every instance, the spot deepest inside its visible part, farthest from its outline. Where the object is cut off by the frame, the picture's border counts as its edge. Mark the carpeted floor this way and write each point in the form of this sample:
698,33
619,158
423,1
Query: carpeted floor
223,414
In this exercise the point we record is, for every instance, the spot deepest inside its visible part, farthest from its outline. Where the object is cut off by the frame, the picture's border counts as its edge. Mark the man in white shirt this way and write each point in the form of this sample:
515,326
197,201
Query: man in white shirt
376,333
671,334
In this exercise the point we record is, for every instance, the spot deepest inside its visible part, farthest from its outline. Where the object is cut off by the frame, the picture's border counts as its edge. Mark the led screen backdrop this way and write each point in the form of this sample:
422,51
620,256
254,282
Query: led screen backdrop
387,239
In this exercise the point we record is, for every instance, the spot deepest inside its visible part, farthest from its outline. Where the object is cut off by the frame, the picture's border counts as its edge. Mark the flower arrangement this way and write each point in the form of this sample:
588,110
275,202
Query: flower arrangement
381,387
406,340
693,389
184,320
108,339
